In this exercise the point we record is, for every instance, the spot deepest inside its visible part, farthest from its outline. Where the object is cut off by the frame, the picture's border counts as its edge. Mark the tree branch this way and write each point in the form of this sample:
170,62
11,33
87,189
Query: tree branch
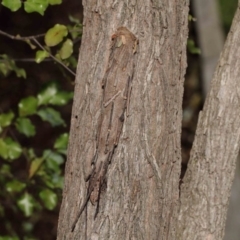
34,38
206,186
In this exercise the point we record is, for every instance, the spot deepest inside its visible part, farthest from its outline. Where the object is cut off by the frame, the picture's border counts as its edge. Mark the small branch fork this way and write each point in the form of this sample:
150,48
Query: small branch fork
34,38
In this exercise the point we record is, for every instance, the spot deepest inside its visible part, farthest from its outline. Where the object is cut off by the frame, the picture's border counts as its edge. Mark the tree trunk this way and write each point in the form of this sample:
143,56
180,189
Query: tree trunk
139,199
232,230
206,186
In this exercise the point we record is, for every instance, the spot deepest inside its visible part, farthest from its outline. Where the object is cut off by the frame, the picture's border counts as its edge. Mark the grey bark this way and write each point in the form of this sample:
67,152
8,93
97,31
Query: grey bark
211,40
141,195
232,230
206,186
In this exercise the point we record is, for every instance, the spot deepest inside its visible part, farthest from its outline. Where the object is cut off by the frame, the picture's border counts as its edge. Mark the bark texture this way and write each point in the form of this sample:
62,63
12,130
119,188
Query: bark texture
206,186
140,197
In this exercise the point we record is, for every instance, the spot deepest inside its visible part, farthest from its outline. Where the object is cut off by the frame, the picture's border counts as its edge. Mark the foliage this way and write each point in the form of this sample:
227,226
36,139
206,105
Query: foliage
30,5
7,65
36,188
60,35
33,178
191,47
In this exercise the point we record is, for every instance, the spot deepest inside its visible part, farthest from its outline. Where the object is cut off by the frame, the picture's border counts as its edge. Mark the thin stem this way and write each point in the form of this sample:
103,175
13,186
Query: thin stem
36,41
31,60
21,38
34,38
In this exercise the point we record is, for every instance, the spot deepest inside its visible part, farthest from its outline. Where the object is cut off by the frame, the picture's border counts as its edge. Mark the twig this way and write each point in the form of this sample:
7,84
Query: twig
36,41
21,38
31,60
34,38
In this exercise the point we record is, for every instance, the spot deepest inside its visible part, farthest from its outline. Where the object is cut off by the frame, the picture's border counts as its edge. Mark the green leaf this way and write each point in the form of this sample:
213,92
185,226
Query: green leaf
35,165
7,65
192,47
57,181
28,227
53,180
52,116
55,35
25,126
61,98
20,72
31,153
26,204
45,96
36,6
41,55
46,178
27,106
61,142
15,186
66,49
75,31
55,2
73,61
6,119
9,149
53,160
51,155
5,170
191,18
3,149
57,55
8,238
4,69
74,20
49,198
13,5
14,149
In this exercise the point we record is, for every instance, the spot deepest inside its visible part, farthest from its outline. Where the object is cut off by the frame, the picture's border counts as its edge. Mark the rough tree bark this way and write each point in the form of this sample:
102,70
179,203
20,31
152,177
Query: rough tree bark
140,198
206,186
